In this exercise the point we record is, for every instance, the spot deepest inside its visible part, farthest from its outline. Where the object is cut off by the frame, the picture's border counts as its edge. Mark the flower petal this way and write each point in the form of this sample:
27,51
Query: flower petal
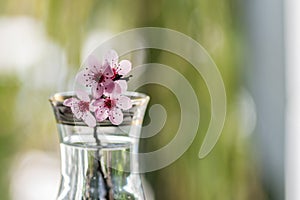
111,58
97,91
101,114
89,119
125,67
83,79
70,102
106,81
108,72
116,116
98,102
117,89
76,111
122,84
94,65
124,102
92,107
82,95
86,79
109,88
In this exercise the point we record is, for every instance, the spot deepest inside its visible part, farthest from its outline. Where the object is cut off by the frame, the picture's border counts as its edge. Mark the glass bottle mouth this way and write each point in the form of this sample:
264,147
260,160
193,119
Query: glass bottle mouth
64,115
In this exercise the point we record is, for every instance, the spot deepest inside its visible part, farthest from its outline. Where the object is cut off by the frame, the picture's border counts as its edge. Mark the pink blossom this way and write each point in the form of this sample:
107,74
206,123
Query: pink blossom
111,107
121,68
96,76
107,83
82,108
105,78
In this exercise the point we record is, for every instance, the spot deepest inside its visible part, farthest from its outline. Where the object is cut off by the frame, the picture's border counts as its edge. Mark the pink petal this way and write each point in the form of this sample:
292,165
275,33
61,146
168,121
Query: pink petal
111,58
75,110
99,103
101,114
109,87
89,119
117,89
116,116
92,108
83,79
107,81
124,102
108,72
97,91
122,84
82,95
69,102
125,67
94,65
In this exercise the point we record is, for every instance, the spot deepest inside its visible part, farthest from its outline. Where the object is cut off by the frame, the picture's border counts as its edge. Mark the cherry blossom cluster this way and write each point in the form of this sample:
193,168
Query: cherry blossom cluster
107,83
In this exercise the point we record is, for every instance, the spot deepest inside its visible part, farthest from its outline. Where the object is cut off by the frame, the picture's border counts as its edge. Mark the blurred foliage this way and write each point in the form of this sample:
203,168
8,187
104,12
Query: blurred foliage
8,130
228,173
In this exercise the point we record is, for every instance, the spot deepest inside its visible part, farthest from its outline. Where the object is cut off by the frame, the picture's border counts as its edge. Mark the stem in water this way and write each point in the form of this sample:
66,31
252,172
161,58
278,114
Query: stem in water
99,166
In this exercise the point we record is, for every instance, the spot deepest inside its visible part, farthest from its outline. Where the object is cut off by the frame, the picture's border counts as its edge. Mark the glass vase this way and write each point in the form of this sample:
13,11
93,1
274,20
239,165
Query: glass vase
101,162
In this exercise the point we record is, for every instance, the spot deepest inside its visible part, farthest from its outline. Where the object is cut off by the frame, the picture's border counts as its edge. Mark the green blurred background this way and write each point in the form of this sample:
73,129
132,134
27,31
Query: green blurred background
47,41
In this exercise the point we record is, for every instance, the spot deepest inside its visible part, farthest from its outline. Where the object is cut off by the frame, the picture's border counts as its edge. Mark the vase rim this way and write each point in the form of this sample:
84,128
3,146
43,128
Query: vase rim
59,97
64,115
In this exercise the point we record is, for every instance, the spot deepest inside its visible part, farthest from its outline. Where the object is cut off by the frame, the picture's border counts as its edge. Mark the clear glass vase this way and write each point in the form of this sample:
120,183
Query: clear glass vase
99,163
